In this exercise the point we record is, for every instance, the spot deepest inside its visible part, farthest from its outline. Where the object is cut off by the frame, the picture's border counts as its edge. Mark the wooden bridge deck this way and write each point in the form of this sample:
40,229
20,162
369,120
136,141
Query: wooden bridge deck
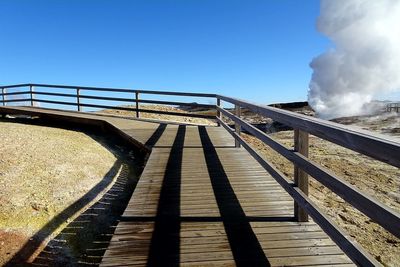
202,202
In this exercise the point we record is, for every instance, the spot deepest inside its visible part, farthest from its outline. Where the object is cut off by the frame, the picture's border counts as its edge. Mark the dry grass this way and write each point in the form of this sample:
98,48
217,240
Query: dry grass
171,118
42,171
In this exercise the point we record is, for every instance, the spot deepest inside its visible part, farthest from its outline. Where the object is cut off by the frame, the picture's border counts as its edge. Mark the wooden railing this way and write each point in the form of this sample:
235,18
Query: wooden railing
367,143
393,107
80,93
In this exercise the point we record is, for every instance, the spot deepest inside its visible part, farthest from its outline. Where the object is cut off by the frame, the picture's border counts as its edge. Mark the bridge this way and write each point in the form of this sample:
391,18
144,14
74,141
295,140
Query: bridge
208,198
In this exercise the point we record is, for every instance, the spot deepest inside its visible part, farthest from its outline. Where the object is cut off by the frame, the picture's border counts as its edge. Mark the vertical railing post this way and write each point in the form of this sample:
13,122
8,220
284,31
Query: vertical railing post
3,91
219,105
237,125
300,177
137,95
78,100
31,89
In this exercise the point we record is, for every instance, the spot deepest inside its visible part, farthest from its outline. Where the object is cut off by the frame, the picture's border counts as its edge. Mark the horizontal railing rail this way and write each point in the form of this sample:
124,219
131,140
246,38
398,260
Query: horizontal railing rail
377,211
367,143
174,103
77,96
110,89
373,145
352,249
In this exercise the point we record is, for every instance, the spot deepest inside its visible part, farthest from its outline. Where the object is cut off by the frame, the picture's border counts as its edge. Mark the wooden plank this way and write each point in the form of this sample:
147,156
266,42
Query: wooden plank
381,213
120,99
219,104
310,260
15,93
78,101
121,90
17,100
3,91
130,244
204,251
237,125
194,115
352,249
137,98
300,176
31,91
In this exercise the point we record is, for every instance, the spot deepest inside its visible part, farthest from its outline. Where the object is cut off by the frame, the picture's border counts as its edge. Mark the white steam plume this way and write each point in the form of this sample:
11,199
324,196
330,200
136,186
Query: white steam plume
365,61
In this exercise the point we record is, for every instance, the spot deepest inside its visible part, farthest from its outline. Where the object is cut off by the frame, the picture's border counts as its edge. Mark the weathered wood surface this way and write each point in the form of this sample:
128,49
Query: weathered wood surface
202,202
377,146
300,176
379,212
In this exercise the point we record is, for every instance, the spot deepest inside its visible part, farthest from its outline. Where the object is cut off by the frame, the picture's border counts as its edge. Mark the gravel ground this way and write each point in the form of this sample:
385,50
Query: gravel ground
42,171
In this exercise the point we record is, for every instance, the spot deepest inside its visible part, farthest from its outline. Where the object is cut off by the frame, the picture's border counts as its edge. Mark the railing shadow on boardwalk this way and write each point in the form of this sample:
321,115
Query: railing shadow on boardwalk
165,244
103,216
245,246
84,240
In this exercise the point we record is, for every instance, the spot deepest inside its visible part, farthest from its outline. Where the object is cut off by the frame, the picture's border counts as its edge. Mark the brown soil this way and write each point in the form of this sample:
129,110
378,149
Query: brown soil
43,170
171,118
10,242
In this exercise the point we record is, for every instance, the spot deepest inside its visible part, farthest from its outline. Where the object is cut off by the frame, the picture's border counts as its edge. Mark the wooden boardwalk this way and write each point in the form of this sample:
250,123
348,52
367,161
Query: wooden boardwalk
202,202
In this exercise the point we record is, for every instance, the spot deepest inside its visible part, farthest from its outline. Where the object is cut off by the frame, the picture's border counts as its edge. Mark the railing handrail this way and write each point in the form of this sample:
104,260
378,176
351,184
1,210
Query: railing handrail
79,96
377,146
368,143
365,142
109,89
377,211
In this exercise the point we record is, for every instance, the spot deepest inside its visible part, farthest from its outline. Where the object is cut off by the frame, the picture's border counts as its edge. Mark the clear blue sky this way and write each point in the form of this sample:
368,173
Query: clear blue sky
255,50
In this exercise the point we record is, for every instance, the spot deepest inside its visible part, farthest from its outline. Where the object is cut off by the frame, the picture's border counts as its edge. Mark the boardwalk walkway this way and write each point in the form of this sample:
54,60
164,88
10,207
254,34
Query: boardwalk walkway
202,202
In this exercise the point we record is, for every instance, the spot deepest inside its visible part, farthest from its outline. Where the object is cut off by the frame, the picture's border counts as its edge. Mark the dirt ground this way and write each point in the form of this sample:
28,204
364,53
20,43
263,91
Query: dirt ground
372,177
162,116
44,170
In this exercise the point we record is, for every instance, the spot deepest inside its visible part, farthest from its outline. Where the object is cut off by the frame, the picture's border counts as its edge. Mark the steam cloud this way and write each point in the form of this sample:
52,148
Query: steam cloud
365,61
